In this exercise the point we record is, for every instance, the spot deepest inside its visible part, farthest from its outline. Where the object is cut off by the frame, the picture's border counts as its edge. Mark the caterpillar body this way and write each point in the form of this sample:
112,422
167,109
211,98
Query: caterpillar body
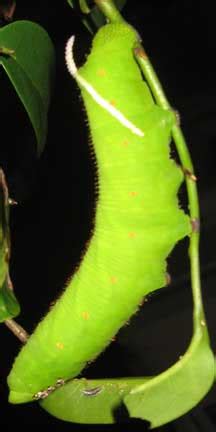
137,223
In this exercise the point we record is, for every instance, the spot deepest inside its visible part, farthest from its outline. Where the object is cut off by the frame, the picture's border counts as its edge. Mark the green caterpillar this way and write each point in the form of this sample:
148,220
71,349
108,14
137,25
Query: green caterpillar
137,222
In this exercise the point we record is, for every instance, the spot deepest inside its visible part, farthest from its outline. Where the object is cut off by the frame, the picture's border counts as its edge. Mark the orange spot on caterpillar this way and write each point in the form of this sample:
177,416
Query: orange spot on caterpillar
125,143
113,102
59,345
85,315
131,234
133,193
101,72
113,279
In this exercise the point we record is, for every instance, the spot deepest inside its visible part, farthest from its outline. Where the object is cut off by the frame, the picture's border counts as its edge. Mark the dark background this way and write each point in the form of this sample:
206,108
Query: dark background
56,198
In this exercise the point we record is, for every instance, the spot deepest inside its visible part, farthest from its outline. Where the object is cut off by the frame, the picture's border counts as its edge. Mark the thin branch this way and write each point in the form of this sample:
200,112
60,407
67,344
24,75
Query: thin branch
190,179
17,330
109,10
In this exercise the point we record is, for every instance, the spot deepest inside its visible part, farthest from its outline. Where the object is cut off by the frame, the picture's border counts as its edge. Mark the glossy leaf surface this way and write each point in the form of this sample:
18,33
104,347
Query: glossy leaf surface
27,56
177,390
90,401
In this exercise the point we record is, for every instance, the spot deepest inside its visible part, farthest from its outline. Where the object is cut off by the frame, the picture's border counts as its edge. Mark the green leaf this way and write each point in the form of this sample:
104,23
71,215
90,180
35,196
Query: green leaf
158,400
177,390
9,306
89,401
29,64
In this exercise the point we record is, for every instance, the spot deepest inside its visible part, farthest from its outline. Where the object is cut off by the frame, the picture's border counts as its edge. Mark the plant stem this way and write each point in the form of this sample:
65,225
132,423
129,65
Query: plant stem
190,179
17,330
111,12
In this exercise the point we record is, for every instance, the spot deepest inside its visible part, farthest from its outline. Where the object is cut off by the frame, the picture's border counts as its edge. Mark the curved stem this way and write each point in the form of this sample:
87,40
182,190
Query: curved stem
17,330
109,10
190,179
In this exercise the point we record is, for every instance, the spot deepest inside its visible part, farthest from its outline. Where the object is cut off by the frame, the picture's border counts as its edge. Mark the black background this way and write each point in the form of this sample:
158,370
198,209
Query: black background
56,198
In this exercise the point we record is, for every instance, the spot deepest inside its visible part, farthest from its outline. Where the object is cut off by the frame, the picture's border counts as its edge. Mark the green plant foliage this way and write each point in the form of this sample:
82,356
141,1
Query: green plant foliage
27,56
158,400
90,401
9,306
178,389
